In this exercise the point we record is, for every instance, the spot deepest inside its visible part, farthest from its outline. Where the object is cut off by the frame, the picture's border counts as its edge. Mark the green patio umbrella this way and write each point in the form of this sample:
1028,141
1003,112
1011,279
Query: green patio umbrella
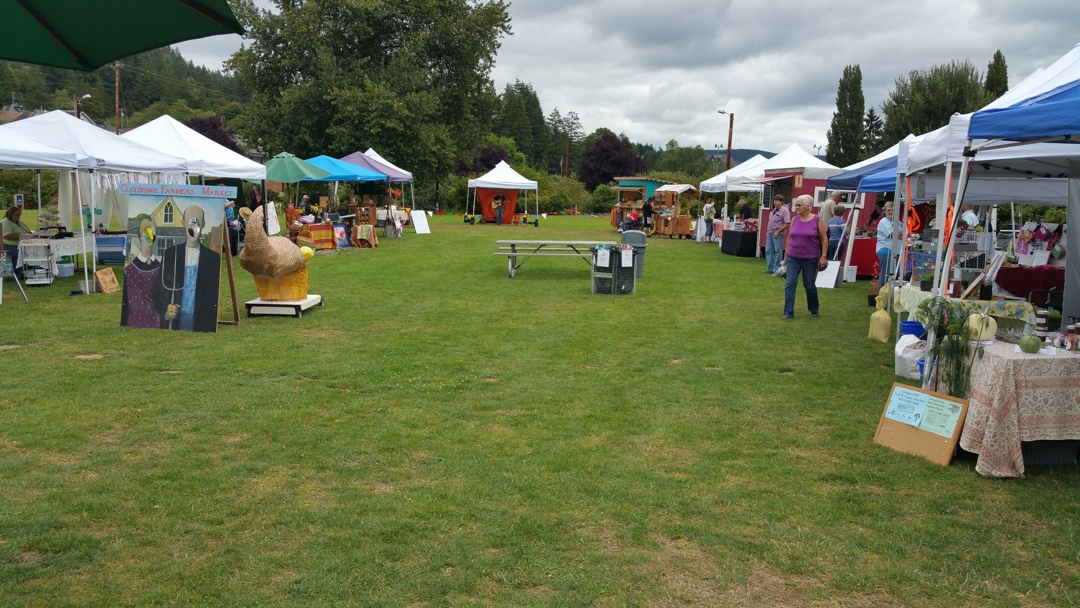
87,34
287,168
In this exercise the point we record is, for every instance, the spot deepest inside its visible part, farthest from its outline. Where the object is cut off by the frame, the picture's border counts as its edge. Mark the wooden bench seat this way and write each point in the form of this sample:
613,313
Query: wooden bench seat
543,254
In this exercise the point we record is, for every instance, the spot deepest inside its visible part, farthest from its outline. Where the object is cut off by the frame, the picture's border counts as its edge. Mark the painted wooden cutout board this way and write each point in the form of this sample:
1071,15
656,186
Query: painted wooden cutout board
175,235
923,423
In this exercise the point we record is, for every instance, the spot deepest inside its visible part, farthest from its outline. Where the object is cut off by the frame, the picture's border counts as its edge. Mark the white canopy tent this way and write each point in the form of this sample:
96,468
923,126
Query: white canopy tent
204,156
103,159
793,157
721,183
1043,170
17,151
503,177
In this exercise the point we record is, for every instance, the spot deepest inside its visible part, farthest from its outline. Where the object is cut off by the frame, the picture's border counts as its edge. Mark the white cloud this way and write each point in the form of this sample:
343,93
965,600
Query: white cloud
658,71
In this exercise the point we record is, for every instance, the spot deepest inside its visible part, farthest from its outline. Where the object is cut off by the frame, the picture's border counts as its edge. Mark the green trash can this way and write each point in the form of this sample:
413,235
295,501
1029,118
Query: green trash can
638,239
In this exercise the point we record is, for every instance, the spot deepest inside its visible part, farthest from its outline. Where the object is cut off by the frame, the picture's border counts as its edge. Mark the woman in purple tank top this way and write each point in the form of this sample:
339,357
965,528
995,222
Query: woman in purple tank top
805,250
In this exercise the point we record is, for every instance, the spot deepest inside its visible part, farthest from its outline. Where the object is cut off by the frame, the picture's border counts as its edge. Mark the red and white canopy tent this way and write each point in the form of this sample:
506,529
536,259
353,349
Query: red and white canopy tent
507,182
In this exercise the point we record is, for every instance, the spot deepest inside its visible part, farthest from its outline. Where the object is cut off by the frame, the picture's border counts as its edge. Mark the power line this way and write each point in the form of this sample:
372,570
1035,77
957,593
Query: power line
196,85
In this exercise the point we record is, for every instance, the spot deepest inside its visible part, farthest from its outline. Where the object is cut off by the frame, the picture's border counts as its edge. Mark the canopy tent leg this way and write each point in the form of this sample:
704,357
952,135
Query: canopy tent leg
942,277
91,172
82,227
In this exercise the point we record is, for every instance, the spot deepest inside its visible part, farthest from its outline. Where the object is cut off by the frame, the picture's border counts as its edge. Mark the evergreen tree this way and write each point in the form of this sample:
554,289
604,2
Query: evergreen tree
997,76
540,135
846,129
872,141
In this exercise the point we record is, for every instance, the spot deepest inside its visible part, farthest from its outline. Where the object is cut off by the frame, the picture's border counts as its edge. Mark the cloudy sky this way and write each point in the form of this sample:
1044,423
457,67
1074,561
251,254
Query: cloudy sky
658,71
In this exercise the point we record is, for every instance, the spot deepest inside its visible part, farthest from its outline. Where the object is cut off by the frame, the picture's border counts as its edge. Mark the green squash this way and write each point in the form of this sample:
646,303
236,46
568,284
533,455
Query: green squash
1030,343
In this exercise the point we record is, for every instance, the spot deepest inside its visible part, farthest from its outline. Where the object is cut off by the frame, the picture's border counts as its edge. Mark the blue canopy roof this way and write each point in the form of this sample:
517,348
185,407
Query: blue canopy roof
849,180
883,181
341,171
1051,115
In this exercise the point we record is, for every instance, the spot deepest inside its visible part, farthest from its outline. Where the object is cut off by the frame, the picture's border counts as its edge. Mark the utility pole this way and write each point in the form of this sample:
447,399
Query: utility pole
566,157
116,90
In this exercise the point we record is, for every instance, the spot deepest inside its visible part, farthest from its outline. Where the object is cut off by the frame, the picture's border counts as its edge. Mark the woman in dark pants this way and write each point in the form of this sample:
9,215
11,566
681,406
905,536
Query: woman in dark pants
805,250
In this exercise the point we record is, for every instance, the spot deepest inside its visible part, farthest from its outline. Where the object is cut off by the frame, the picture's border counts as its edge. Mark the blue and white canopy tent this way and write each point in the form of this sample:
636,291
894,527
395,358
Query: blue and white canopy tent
1038,126
340,171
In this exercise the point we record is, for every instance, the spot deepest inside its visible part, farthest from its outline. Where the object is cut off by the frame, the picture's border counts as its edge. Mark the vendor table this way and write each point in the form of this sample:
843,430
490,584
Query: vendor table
738,243
512,249
1019,397
864,256
1020,280
911,296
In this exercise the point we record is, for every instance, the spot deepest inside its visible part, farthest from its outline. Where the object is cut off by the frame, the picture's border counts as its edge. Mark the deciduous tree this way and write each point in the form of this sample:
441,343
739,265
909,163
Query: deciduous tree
607,157
924,101
408,77
690,161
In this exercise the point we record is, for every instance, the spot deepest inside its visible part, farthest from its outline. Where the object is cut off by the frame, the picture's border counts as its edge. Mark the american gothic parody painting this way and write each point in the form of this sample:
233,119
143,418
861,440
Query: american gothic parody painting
174,256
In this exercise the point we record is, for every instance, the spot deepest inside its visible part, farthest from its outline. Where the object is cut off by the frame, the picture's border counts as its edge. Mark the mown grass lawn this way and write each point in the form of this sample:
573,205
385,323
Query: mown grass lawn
441,435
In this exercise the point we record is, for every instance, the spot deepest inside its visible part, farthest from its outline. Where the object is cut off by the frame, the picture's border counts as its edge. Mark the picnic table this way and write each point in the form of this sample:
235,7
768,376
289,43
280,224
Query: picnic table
514,249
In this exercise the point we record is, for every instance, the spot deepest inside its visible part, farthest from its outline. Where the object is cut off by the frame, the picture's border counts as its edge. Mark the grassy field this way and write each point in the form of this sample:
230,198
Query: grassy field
441,435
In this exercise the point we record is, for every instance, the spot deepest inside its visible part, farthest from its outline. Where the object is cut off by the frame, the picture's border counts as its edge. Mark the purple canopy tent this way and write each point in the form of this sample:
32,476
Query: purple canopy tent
393,174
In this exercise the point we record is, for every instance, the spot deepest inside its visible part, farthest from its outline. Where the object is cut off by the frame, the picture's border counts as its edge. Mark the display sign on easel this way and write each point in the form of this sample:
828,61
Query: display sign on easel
921,422
828,278
106,280
7,269
419,221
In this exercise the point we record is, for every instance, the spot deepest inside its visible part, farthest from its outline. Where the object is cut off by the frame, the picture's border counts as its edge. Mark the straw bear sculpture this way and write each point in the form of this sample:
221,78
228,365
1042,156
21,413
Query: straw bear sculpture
269,256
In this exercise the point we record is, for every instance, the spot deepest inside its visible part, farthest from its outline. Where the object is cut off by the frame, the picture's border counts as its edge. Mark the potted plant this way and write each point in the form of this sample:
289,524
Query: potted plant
926,280
948,346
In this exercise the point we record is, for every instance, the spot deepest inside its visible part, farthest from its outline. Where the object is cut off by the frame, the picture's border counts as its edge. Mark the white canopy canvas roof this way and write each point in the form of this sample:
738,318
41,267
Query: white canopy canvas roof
719,183
677,188
503,176
18,151
372,154
794,158
204,156
102,149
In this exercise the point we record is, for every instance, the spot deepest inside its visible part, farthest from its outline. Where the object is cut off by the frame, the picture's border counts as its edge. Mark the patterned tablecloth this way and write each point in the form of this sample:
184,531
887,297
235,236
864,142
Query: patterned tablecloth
911,296
1019,397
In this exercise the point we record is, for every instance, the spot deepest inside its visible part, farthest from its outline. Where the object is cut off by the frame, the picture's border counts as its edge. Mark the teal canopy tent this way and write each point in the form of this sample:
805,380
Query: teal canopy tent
287,169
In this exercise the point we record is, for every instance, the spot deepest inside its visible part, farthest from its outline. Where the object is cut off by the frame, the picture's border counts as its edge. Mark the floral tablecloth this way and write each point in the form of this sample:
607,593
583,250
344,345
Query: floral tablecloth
911,296
1019,397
